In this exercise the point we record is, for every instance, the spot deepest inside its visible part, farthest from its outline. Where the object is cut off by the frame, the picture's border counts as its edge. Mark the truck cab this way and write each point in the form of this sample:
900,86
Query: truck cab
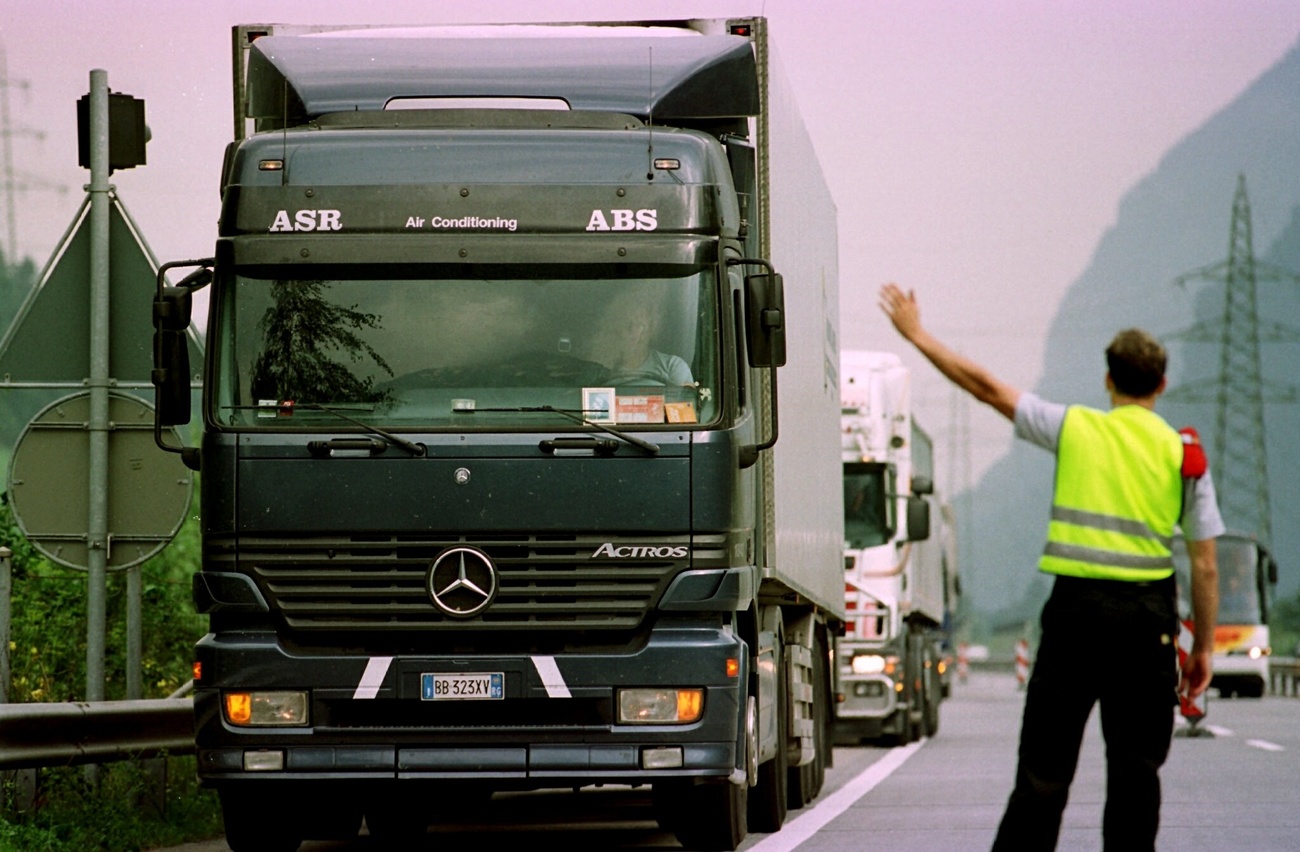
484,433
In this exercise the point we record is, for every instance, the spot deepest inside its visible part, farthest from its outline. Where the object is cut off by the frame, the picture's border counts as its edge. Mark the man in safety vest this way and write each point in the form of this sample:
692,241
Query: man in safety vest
1109,627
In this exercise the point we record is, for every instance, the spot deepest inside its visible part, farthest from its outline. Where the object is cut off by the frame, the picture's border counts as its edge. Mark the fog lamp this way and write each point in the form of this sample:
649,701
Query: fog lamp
662,758
263,761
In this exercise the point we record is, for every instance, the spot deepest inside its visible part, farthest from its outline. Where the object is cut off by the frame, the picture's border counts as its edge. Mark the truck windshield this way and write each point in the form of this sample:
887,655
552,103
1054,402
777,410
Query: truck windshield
1240,582
868,519
422,353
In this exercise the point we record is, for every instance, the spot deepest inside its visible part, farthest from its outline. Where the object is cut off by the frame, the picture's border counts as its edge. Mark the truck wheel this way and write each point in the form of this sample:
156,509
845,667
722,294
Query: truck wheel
396,821
334,819
706,816
933,695
806,781
712,816
768,799
257,822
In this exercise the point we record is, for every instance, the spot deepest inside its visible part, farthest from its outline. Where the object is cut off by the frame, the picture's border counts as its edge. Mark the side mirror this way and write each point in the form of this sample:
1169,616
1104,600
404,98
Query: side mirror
171,356
922,485
765,319
918,519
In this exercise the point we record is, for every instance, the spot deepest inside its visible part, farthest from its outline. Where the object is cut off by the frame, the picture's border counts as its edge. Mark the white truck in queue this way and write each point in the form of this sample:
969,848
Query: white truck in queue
899,563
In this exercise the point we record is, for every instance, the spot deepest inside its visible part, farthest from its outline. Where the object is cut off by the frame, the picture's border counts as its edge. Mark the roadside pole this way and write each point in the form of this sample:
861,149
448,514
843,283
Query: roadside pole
6,612
97,527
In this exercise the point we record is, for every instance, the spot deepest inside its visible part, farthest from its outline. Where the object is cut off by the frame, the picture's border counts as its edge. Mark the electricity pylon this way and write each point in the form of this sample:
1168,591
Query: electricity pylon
1238,457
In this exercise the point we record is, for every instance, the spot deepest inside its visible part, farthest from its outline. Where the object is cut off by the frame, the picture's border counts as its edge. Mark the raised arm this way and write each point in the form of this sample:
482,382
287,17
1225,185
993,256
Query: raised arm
905,314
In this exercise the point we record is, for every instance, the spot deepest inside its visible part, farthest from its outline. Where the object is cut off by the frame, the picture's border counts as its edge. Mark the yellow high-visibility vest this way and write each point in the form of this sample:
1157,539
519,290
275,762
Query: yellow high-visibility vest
1118,495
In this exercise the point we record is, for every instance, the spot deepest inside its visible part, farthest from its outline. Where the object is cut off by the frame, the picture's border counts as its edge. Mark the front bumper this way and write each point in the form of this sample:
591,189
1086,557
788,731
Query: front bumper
556,725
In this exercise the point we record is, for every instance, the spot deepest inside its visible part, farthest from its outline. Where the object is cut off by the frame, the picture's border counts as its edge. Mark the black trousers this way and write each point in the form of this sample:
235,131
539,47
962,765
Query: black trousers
1106,642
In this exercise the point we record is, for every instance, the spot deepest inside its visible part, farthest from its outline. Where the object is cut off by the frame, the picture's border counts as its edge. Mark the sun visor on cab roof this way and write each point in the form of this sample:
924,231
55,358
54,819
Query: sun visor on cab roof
294,79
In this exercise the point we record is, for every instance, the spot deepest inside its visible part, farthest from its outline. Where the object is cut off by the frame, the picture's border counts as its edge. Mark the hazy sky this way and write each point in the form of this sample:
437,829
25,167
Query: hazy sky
977,151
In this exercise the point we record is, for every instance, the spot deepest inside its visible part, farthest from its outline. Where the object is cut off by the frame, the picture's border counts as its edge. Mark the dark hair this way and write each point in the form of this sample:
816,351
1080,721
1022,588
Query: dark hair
1136,361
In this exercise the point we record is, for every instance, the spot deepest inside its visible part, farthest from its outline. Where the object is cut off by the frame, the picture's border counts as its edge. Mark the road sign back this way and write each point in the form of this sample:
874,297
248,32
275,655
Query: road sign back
148,491
50,339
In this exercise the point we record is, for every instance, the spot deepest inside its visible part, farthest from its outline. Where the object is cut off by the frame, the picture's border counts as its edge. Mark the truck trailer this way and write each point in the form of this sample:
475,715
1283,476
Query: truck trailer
496,491
900,572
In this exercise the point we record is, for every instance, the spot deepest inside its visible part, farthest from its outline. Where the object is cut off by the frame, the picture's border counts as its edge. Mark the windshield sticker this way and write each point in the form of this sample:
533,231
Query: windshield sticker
274,408
598,404
623,220
308,220
639,409
680,412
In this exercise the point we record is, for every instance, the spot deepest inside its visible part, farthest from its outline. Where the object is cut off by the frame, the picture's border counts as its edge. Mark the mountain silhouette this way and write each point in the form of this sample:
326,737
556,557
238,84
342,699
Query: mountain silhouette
1173,221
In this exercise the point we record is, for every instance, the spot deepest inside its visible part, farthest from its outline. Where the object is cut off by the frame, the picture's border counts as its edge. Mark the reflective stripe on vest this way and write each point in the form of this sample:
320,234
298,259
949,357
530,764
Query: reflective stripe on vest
1108,526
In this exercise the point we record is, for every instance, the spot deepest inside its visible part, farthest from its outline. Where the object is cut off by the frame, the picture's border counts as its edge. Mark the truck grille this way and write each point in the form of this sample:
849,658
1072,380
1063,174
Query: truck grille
377,583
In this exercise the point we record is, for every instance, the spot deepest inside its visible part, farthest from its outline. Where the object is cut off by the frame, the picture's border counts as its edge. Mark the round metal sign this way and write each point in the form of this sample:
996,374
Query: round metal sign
148,490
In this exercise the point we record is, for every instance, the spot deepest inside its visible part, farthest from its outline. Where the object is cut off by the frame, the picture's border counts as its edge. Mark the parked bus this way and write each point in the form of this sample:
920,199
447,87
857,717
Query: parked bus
1247,574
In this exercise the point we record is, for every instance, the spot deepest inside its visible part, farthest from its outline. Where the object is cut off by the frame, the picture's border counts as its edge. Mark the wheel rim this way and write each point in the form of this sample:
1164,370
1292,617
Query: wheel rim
751,741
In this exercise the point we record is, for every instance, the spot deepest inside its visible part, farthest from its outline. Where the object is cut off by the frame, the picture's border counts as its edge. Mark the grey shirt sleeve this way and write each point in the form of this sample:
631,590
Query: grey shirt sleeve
1201,519
1039,421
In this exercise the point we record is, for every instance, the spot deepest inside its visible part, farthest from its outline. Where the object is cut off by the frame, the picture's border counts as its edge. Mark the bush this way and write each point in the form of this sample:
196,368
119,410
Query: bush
48,664
131,809
47,640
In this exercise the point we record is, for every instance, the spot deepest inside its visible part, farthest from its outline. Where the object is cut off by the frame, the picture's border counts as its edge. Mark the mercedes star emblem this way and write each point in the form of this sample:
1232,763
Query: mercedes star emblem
462,581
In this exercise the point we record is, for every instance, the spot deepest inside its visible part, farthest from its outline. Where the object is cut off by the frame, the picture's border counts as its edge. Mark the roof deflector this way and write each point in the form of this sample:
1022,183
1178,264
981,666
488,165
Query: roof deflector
293,79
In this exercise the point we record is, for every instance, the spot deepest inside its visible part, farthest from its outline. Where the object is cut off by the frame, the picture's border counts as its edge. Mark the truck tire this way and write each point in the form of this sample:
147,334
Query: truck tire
705,816
257,821
768,799
396,821
711,816
933,693
806,781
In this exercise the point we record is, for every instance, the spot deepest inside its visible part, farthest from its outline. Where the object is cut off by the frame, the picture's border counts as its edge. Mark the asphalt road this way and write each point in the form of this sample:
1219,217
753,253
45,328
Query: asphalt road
1237,788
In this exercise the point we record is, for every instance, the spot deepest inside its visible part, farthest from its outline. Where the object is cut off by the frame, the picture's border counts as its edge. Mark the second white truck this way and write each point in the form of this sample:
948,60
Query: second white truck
899,561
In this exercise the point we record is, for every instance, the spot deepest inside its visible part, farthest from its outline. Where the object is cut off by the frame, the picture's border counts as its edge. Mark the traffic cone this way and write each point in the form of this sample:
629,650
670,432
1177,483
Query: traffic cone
1192,709
1022,663
963,662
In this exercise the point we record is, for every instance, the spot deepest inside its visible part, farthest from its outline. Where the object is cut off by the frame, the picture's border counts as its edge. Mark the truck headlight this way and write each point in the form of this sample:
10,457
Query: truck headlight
266,709
660,706
868,664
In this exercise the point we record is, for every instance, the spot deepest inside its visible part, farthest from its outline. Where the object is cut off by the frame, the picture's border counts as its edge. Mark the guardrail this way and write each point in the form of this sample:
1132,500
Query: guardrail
1283,672
1284,676
69,734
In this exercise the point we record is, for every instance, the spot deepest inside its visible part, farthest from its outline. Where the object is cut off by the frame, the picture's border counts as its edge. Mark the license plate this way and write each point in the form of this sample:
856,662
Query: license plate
472,686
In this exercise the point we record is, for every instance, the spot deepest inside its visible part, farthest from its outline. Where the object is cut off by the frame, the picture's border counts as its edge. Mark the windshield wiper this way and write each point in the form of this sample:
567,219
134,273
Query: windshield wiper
417,450
651,449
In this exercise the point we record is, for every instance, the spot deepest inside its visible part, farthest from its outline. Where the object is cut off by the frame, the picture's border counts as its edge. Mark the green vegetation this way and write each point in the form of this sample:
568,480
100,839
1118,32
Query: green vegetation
48,657
1284,632
127,812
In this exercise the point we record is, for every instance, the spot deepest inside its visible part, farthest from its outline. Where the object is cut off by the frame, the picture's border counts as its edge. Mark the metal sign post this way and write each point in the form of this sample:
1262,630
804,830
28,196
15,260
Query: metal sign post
97,478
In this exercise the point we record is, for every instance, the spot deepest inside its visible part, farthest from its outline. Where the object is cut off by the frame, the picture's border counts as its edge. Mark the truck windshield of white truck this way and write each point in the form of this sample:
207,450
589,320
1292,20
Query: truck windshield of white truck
414,353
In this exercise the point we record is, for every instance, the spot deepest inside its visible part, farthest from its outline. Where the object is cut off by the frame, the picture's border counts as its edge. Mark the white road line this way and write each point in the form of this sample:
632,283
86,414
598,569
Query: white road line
1265,745
808,823
1220,731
